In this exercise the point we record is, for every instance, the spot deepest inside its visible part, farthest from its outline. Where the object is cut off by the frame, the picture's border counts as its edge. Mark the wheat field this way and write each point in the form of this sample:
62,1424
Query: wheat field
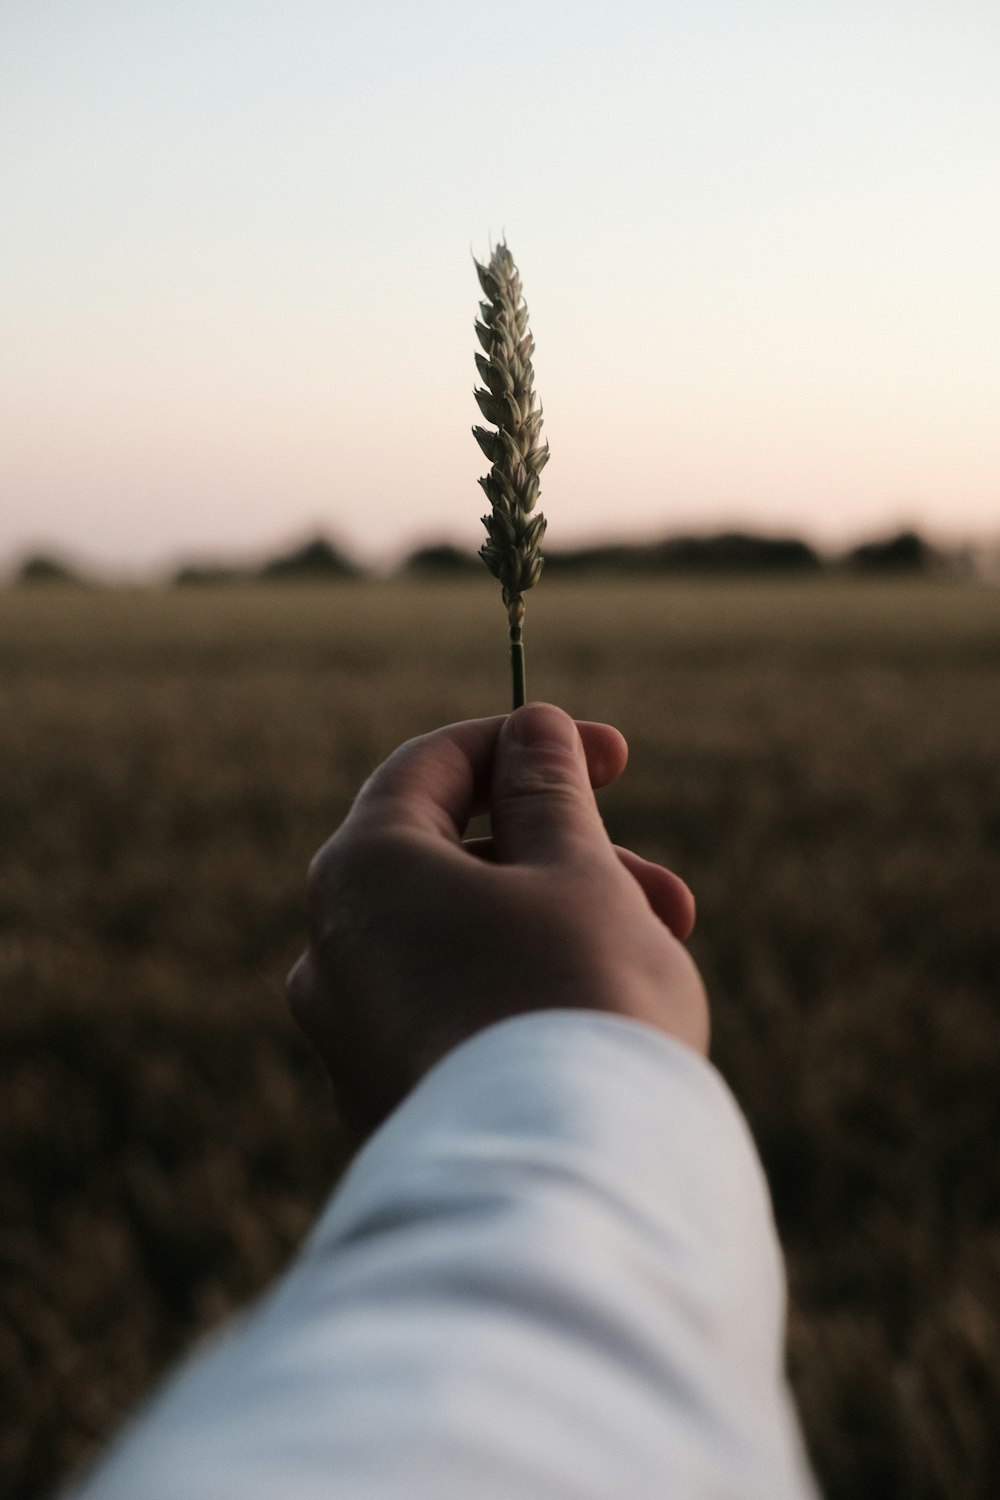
819,760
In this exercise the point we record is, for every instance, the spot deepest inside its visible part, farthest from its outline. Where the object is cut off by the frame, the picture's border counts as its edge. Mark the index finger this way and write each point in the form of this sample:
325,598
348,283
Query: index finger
437,782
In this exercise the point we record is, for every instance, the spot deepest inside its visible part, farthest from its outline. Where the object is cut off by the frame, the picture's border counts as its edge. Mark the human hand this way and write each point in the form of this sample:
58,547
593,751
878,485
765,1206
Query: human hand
418,939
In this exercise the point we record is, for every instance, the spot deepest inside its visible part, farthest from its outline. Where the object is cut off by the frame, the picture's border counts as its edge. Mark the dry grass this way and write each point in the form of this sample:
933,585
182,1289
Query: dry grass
820,760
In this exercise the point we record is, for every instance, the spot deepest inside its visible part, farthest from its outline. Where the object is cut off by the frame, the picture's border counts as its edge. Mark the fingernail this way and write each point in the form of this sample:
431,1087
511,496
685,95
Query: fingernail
543,727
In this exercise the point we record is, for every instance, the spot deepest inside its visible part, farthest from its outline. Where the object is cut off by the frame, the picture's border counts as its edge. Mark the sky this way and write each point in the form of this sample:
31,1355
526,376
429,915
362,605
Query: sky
760,245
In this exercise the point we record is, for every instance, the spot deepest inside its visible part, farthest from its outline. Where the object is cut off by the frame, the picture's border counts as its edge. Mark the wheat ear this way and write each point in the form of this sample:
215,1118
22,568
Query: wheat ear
507,400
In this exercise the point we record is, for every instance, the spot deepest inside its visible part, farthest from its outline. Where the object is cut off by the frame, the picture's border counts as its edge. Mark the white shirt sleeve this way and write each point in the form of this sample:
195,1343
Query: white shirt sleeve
551,1275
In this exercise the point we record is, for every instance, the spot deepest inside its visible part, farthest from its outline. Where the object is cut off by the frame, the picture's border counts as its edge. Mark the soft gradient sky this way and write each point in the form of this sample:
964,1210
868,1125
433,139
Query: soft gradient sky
760,245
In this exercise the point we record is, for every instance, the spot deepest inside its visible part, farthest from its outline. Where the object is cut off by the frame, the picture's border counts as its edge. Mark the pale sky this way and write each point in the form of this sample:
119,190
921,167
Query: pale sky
760,244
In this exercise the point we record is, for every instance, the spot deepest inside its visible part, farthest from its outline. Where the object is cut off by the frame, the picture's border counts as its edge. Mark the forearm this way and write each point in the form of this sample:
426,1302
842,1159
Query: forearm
553,1272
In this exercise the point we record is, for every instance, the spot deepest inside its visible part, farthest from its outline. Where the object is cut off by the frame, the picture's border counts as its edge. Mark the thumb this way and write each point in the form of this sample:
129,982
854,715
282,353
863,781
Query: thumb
542,808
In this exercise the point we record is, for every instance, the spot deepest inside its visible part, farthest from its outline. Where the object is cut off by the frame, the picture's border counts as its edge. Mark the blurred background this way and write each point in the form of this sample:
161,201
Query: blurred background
759,245
238,514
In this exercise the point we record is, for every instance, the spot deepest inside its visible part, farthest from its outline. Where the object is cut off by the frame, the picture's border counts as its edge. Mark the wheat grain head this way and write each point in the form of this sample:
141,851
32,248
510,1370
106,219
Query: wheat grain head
512,550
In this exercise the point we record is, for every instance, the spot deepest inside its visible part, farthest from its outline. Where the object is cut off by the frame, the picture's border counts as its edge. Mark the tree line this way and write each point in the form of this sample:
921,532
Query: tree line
725,553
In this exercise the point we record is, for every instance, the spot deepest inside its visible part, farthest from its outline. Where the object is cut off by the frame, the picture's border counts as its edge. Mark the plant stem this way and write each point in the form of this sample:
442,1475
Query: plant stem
517,665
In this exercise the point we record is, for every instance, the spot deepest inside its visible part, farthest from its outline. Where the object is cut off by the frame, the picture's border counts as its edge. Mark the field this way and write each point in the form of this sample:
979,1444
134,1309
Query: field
820,760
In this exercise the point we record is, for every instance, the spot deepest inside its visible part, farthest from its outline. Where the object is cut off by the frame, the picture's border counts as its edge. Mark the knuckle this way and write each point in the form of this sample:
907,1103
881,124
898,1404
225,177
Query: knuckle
347,893
297,986
334,868
318,866
543,779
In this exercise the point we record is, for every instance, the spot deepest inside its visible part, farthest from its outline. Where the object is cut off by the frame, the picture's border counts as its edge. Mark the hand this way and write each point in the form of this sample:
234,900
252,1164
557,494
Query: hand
417,939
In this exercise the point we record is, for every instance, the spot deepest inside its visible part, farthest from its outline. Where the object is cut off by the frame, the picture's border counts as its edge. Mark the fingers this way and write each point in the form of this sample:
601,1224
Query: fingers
481,848
606,751
433,783
667,894
542,807
299,986
437,782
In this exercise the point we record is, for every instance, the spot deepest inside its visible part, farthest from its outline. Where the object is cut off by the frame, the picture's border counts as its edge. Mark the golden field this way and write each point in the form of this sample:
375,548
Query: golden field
821,761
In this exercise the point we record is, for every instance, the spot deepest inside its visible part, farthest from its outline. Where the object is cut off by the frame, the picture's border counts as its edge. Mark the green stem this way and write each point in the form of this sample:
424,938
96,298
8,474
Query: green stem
517,665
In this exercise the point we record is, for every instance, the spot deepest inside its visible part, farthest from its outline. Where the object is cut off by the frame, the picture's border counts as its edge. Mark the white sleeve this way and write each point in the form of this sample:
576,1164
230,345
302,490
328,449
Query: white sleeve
552,1273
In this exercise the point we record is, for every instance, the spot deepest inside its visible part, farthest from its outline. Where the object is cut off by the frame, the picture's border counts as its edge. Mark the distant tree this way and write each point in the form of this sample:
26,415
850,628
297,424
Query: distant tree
906,552
607,557
318,560
738,552
728,552
441,559
44,568
208,573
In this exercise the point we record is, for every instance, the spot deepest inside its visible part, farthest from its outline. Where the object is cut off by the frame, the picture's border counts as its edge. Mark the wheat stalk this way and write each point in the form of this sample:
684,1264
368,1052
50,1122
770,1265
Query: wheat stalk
507,400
